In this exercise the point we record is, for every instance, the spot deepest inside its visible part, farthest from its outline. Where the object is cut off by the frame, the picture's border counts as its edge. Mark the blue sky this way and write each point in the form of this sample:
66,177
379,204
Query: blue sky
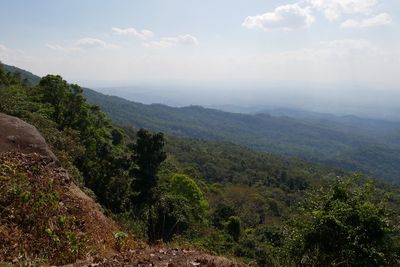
127,41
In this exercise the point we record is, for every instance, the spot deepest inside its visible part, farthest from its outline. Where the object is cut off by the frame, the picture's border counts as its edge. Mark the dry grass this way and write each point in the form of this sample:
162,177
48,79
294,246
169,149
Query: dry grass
45,217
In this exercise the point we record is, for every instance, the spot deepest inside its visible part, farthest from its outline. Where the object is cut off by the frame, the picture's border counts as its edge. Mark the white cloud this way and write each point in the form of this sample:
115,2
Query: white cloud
16,57
88,43
356,60
374,21
83,44
166,42
327,55
350,50
333,9
12,56
360,13
6,53
287,17
142,35
63,48
332,61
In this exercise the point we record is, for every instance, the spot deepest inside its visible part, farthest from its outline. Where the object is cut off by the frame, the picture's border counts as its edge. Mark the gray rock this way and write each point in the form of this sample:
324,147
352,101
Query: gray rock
17,135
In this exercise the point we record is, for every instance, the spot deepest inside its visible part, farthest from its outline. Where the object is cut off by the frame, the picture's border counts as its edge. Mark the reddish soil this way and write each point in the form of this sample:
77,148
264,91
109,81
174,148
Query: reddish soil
22,146
41,172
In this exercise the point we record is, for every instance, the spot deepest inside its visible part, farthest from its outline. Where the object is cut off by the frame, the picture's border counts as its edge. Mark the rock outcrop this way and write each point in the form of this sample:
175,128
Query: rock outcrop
19,136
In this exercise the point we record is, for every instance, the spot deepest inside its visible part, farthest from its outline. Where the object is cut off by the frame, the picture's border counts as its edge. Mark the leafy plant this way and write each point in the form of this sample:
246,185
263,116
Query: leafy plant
345,225
120,239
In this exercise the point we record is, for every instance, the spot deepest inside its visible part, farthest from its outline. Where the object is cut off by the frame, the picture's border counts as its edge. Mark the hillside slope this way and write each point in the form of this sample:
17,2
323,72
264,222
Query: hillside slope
346,144
218,196
28,77
43,212
45,219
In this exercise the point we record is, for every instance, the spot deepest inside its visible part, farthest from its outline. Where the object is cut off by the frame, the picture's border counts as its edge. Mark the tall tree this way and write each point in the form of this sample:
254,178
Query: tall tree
181,206
55,91
148,156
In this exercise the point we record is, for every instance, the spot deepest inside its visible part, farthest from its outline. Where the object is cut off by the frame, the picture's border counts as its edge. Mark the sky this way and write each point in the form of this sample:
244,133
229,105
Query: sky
126,42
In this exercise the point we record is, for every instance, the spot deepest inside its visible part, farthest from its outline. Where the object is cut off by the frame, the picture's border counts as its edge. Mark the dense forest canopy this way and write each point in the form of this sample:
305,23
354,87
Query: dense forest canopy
349,143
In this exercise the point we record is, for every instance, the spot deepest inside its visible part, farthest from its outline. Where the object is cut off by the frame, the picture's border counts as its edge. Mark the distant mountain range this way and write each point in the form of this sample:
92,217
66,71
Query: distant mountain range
348,142
29,77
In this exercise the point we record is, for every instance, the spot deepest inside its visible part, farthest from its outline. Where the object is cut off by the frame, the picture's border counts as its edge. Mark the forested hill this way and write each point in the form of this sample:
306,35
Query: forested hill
266,210
28,77
350,143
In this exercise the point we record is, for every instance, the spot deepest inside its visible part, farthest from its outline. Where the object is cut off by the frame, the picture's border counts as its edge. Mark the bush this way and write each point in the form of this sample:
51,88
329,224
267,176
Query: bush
345,225
233,227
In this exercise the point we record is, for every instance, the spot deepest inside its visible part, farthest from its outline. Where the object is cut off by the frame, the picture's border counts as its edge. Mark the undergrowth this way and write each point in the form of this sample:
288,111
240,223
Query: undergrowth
34,221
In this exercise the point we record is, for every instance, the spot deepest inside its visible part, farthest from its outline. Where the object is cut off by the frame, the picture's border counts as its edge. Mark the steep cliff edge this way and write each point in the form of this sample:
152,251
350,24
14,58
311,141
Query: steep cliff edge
45,219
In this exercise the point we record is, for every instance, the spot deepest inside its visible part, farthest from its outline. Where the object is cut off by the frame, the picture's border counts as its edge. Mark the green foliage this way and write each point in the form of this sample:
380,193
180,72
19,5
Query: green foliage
148,154
9,78
226,198
181,207
120,240
103,163
55,92
256,251
169,216
345,225
184,186
233,227
25,77
349,143
82,137
222,213
34,208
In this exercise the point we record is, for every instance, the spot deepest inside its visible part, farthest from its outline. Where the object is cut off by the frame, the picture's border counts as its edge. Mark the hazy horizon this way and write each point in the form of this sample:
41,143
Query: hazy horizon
340,56
352,100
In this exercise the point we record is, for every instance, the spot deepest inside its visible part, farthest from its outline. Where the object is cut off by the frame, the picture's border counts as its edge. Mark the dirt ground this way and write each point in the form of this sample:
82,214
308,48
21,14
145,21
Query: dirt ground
160,256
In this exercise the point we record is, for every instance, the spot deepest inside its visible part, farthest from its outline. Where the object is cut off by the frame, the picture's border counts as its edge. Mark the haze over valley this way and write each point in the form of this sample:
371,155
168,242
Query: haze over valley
338,99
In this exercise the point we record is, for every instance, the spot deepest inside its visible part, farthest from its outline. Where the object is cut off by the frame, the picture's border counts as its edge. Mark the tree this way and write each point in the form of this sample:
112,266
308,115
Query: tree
9,78
54,92
2,75
344,226
69,106
105,163
148,156
186,187
181,206
221,214
117,136
233,227
75,111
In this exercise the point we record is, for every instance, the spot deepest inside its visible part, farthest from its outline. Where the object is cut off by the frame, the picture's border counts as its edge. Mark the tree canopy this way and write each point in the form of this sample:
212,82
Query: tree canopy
347,225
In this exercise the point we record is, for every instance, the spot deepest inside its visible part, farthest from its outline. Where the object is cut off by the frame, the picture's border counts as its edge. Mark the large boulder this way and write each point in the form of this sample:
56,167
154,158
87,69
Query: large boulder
19,136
